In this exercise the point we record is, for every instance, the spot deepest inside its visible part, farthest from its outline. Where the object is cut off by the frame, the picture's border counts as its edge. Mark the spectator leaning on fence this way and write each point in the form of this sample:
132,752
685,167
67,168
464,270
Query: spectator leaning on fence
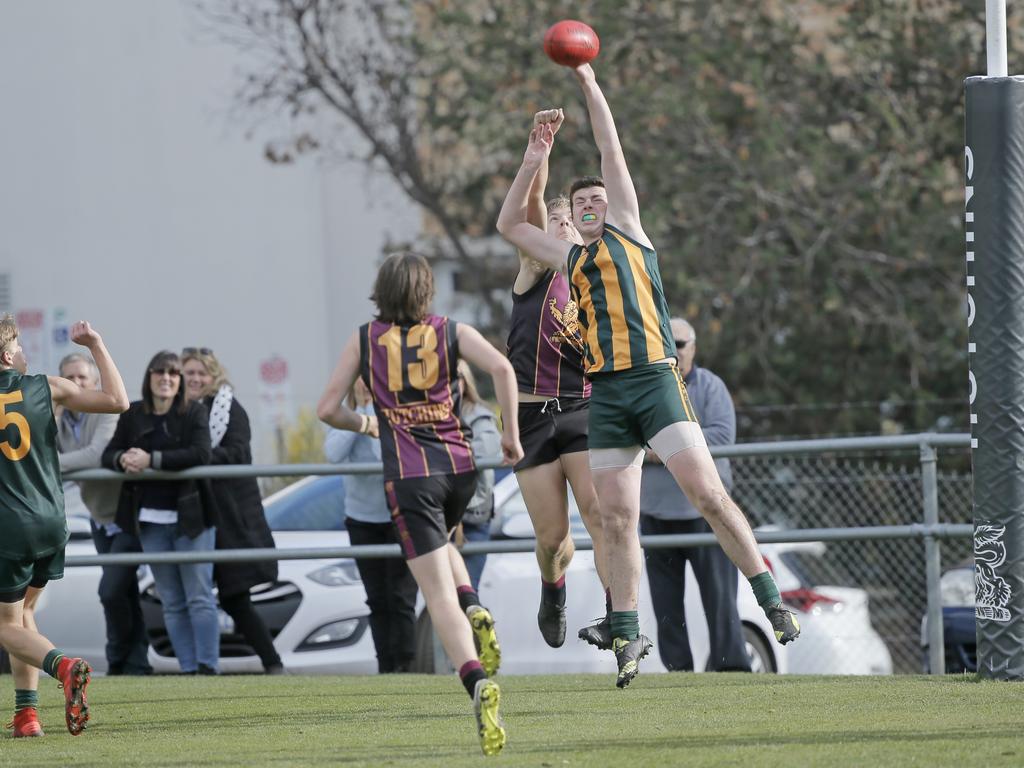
81,439
390,587
237,506
164,431
476,522
664,509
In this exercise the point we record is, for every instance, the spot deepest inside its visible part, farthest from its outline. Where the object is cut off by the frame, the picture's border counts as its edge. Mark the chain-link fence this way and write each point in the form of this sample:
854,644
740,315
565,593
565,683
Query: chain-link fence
821,491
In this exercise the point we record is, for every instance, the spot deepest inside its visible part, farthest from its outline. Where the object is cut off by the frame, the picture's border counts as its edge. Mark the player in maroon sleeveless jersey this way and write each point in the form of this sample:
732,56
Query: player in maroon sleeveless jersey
546,350
407,357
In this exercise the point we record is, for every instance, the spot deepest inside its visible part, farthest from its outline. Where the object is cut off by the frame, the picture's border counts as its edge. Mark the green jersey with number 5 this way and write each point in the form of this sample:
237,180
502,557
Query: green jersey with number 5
31,495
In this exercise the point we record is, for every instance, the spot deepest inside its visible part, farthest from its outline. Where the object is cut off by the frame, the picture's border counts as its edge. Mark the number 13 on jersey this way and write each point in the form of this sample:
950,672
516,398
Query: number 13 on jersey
421,374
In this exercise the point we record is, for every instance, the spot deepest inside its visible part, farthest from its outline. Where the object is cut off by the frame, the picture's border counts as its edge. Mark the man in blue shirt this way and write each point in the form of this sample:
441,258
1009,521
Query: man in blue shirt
664,509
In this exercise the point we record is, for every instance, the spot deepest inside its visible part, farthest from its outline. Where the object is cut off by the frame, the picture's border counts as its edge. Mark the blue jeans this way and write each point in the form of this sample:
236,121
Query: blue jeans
186,591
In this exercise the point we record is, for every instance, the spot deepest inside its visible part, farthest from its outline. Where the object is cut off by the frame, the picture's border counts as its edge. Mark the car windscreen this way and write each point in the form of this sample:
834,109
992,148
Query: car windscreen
317,506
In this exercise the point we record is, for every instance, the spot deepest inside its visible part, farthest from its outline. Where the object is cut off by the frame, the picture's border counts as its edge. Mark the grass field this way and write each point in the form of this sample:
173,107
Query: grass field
553,721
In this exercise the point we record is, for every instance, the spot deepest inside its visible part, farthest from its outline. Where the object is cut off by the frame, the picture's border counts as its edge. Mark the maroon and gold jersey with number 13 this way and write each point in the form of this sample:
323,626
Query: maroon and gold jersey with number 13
411,373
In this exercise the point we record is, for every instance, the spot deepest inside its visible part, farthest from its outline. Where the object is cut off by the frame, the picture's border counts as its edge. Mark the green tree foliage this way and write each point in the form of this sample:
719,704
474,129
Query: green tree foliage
799,166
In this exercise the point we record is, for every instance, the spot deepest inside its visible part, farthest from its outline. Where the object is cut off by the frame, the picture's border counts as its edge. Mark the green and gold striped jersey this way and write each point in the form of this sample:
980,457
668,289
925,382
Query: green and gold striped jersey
31,495
623,314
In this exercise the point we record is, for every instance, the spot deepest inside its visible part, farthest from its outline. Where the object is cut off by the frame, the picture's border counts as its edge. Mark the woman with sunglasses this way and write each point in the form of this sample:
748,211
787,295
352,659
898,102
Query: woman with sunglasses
237,506
164,431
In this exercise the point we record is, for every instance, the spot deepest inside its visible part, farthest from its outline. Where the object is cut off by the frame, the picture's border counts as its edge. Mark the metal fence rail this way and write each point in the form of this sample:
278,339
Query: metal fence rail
503,546
830,490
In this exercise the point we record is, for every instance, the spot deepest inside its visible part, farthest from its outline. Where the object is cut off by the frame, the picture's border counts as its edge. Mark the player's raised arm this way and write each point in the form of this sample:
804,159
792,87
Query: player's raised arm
512,221
332,409
478,351
536,208
110,398
623,207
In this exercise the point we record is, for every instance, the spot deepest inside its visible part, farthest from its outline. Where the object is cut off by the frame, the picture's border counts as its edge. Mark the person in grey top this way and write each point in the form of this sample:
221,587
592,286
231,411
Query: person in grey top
81,439
476,522
664,509
390,587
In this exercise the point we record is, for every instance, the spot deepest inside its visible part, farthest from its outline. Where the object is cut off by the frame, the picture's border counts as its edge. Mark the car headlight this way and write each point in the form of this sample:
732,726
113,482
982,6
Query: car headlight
340,574
333,635
957,588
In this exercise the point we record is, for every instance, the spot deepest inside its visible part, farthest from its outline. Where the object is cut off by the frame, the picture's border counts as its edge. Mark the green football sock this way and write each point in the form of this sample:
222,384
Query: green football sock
765,590
625,624
25,699
51,662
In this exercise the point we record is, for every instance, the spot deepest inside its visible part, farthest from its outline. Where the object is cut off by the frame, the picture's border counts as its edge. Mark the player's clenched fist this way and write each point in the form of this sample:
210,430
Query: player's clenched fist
82,333
552,117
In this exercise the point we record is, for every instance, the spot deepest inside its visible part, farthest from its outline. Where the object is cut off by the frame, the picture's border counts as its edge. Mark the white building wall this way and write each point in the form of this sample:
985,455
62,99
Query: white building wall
131,197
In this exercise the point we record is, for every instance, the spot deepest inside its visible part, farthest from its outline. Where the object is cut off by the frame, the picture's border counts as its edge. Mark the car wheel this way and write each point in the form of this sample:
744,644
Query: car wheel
423,663
761,658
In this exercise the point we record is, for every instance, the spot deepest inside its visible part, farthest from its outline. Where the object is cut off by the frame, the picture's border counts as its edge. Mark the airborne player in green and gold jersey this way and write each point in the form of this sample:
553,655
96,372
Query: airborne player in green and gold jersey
638,397
32,516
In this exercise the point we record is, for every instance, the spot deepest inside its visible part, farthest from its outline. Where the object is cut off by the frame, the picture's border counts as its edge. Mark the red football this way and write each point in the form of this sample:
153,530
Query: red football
571,43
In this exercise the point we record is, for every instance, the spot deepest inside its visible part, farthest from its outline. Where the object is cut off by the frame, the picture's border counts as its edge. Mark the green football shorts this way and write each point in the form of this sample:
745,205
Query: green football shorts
630,407
17,576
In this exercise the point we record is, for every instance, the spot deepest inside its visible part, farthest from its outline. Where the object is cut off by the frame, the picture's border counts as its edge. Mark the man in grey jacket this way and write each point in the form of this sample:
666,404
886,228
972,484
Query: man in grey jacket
81,439
664,509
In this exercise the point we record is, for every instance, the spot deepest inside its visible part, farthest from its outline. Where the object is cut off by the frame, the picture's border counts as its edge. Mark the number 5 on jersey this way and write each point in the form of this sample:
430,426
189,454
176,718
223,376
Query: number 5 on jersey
421,374
17,421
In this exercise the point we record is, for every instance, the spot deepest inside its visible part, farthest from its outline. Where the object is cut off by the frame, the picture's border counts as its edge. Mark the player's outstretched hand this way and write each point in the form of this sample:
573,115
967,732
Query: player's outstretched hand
511,449
542,138
373,430
552,117
82,333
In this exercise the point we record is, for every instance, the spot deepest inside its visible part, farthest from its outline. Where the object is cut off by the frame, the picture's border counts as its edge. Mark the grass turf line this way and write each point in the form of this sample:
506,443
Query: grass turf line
563,720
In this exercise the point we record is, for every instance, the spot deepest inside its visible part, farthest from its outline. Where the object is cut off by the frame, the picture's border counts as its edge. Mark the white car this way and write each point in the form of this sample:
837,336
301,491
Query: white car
510,587
836,636
836,633
316,610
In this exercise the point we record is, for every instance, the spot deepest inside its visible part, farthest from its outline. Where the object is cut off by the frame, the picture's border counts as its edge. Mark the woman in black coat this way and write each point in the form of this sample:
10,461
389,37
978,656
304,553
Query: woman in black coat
163,431
241,523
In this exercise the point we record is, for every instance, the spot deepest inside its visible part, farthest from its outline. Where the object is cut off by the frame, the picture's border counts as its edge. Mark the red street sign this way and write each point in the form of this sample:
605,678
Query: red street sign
274,370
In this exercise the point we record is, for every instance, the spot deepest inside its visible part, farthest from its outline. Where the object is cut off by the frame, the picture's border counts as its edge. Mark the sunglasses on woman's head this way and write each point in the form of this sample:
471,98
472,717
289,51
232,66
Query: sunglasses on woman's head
197,351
